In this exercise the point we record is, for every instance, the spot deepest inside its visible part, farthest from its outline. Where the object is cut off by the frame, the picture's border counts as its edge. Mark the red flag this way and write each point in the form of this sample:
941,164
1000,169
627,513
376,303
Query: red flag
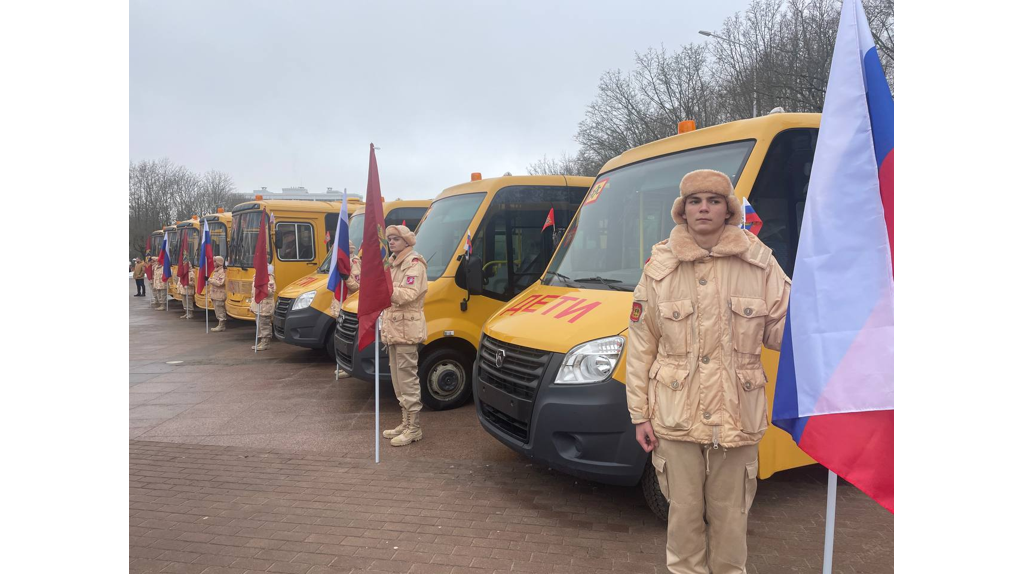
550,221
375,281
149,270
259,261
182,262
148,238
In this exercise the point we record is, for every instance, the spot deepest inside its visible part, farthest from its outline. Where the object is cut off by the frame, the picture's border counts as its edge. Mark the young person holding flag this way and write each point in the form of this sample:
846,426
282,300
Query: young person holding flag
708,298
185,284
403,328
205,266
161,273
343,278
218,294
263,288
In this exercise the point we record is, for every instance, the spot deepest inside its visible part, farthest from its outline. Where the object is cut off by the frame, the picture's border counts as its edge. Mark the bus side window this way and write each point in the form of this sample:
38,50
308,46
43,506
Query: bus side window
780,191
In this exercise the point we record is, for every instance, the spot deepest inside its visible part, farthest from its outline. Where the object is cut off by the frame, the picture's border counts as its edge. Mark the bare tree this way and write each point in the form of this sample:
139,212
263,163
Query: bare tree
776,53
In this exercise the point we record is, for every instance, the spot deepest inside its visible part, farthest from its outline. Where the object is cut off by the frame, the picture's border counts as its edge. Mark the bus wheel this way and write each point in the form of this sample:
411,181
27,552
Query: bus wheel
444,379
329,346
652,492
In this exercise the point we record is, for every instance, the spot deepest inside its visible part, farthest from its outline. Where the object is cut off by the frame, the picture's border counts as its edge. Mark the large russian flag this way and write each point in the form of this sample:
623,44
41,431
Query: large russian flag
165,258
341,263
205,259
834,391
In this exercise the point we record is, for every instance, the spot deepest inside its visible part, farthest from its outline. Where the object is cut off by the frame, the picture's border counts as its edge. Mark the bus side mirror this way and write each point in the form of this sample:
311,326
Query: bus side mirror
470,275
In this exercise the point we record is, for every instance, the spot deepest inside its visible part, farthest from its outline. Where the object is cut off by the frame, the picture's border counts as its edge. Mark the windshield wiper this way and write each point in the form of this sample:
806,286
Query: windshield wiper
565,280
609,283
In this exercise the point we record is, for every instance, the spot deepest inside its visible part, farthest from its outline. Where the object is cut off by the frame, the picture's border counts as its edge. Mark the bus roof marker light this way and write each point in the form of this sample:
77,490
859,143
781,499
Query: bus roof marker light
220,210
475,176
259,197
686,126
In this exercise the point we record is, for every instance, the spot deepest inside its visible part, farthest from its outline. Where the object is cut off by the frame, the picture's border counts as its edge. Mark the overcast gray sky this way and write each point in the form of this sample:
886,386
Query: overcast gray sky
281,94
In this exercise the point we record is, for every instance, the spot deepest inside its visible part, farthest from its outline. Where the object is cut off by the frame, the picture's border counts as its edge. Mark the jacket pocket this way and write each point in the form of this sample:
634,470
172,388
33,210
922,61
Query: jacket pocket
750,485
661,469
670,408
753,403
748,320
676,325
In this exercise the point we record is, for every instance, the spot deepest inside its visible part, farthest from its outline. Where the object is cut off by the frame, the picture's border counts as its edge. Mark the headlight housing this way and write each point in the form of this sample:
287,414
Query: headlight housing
303,301
591,362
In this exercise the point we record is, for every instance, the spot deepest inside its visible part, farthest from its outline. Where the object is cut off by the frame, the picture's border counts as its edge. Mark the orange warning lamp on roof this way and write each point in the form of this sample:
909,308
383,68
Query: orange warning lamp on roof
686,126
220,210
475,176
259,197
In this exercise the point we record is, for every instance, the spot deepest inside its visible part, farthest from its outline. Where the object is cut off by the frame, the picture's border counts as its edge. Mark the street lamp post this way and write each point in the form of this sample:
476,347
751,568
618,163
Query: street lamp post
753,60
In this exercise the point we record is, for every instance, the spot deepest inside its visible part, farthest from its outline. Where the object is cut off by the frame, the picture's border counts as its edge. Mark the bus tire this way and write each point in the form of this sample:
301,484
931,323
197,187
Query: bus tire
445,379
655,500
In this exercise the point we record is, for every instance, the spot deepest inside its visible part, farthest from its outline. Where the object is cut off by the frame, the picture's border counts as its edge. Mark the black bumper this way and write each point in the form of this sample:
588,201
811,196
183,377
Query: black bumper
304,328
581,430
356,363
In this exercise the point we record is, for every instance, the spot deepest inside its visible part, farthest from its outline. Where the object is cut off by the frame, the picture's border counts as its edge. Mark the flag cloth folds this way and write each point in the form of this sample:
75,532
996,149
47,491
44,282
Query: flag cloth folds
261,280
205,259
550,221
834,391
341,262
751,220
165,258
182,260
375,286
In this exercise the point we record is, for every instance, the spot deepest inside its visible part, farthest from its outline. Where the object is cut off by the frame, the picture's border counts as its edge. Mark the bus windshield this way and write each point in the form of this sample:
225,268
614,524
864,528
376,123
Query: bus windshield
443,229
626,212
172,245
156,242
192,243
243,242
355,230
219,237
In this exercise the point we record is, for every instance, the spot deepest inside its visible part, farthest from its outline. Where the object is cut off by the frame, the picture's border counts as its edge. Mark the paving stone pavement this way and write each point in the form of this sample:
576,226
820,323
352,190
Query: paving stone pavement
242,463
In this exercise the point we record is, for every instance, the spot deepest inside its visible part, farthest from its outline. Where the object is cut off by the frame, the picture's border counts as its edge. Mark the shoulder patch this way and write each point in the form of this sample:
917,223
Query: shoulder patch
638,311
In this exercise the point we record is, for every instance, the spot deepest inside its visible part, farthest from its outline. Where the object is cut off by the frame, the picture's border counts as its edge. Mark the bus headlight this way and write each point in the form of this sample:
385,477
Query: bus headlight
590,362
304,300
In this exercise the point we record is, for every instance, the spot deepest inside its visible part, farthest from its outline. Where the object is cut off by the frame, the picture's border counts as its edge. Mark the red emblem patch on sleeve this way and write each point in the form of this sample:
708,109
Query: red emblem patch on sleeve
410,280
638,311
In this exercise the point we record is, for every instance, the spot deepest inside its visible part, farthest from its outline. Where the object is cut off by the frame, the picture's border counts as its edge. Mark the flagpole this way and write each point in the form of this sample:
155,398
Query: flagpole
376,390
830,523
255,346
207,309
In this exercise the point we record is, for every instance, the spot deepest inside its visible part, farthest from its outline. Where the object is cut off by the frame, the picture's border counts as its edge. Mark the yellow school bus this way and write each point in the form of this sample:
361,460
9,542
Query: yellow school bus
295,246
156,241
302,314
549,379
220,236
505,218
189,230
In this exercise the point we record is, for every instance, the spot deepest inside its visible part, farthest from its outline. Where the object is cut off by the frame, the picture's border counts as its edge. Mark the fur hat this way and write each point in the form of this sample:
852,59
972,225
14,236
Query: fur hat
218,261
707,181
403,232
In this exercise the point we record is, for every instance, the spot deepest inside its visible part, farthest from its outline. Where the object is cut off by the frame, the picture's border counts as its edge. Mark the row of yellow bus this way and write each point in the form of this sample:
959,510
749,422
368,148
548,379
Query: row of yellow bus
531,322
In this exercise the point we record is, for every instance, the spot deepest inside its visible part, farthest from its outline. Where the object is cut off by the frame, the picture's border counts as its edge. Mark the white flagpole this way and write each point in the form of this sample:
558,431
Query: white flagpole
830,523
257,343
376,389
207,309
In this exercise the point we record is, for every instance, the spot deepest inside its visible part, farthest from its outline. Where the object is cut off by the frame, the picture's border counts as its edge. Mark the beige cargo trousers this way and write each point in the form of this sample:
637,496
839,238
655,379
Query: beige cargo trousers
403,360
698,481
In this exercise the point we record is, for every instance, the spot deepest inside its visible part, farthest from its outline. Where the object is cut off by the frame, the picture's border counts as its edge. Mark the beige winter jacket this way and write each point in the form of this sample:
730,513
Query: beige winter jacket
266,306
404,323
699,318
190,289
352,283
216,285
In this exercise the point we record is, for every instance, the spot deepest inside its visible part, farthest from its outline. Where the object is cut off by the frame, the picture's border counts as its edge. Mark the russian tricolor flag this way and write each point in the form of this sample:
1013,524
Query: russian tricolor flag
834,391
751,220
205,259
341,262
165,258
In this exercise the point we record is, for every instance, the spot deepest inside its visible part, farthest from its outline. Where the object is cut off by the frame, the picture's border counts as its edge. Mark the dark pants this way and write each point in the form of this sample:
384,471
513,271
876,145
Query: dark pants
140,287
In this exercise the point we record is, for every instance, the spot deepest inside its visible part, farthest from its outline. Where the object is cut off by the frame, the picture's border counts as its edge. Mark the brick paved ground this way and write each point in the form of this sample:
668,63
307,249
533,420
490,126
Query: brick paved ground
264,464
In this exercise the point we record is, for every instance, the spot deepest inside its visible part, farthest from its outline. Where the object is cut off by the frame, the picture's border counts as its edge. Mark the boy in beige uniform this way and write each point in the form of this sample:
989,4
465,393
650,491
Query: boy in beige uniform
218,294
159,286
188,296
403,328
265,310
709,297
